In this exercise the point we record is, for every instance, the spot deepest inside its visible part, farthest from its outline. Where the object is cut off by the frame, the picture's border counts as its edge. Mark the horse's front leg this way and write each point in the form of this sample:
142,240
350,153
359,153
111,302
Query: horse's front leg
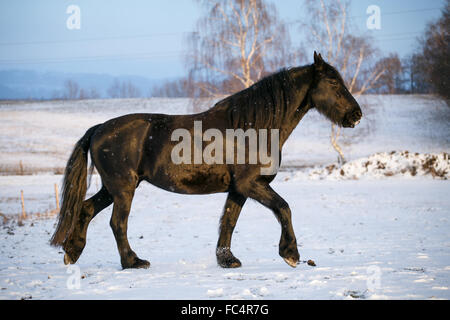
265,195
231,211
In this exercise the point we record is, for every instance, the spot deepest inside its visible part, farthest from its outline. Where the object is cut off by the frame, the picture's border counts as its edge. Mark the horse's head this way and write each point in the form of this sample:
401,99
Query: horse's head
330,96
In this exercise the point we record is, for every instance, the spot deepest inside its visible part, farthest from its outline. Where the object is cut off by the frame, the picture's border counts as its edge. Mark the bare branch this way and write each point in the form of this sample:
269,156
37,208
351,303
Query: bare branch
330,35
358,67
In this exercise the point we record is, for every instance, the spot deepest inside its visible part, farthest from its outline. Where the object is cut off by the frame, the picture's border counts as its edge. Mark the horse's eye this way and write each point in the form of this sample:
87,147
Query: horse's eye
333,82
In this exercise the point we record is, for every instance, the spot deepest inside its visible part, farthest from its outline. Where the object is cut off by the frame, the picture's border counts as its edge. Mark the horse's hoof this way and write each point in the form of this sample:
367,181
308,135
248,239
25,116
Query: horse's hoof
142,264
67,259
138,264
291,261
234,264
228,261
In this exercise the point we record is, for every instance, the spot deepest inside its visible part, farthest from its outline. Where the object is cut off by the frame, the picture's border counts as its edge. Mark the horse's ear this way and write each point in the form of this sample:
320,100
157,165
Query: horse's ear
317,59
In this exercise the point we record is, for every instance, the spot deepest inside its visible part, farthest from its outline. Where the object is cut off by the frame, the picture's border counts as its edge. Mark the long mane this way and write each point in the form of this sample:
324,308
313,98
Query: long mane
265,104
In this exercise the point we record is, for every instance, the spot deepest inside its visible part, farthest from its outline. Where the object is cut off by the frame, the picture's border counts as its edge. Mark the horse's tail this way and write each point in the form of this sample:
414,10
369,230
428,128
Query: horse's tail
73,190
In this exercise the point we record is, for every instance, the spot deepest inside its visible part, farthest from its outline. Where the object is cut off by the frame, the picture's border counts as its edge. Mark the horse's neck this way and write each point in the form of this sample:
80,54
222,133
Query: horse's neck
294,121
303,78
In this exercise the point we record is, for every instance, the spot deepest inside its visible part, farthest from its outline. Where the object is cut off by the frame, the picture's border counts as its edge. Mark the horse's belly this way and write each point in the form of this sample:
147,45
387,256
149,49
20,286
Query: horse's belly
193,179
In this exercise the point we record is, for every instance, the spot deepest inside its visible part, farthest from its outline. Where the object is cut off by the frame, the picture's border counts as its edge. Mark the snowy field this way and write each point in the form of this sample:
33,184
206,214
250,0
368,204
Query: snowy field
376,228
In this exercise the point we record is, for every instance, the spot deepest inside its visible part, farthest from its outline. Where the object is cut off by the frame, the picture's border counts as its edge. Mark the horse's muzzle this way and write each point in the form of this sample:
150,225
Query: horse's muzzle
352,118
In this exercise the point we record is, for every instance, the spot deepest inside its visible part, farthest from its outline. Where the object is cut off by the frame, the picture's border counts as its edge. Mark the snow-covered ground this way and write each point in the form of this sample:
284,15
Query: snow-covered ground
378,231
385,239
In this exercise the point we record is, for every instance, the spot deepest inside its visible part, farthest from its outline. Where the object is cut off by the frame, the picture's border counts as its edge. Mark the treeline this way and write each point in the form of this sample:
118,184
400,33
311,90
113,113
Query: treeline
423,72
427,70
430,65
118,89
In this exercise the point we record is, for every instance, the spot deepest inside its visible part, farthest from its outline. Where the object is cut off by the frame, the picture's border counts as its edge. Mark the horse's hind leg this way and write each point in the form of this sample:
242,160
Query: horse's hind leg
76,241
231,212
119,225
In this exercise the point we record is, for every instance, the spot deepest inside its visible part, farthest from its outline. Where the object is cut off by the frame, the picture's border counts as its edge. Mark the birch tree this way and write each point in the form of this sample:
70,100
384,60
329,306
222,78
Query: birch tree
328,31
235,44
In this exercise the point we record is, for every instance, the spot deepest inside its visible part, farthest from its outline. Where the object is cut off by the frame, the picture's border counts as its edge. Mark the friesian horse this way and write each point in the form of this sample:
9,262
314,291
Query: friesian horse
136,147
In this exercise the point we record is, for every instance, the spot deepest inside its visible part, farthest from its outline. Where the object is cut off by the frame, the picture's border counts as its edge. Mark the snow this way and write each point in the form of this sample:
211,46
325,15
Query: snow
379,231
383,164
354,230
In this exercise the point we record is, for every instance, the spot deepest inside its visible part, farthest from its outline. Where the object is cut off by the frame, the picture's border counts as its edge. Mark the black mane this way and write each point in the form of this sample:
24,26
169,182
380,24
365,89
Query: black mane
262,105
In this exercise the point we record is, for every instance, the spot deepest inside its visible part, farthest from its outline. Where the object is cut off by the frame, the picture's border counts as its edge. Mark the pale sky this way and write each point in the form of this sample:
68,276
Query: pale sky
145,37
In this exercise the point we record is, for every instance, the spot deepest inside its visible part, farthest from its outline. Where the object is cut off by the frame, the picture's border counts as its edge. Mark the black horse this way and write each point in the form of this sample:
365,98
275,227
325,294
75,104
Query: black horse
136,147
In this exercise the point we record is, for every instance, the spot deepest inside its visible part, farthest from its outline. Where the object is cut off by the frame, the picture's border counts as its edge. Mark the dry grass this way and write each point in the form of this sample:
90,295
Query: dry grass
8,219
21,170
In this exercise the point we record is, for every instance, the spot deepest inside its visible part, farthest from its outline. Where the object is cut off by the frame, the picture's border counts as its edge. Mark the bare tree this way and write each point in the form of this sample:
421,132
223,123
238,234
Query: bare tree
416,66
328,29
93,93
114,90
83,94
236,43
172,89
71,90
123,90
391,81
435,52
131,90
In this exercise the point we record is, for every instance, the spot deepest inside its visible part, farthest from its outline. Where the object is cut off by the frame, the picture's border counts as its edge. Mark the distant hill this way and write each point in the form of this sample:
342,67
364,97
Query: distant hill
27,84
